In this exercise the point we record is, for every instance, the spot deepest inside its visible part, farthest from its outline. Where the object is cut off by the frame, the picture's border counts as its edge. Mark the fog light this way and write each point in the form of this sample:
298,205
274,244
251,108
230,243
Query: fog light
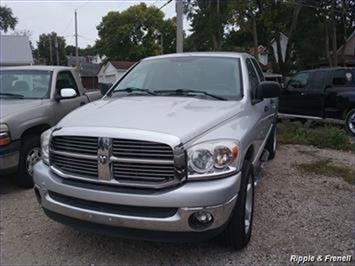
201,220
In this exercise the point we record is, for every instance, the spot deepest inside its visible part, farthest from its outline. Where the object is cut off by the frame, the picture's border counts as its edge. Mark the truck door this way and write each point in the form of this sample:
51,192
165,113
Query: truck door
260,106
313,98
291,99
65,79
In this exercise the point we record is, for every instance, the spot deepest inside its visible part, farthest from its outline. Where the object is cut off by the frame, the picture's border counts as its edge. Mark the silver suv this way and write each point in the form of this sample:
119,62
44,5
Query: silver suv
172,152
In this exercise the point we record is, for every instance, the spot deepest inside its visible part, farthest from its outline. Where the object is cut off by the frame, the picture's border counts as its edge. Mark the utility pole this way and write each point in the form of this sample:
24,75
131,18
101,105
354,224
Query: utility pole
50,50
179,26
161,44
76,41
56,49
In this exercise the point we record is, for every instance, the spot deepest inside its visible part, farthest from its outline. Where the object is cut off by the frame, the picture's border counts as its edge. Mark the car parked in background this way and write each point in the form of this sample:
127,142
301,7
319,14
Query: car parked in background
33,99
326,93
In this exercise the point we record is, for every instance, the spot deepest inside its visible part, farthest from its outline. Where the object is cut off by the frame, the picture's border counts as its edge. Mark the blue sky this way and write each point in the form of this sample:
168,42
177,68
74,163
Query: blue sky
42,16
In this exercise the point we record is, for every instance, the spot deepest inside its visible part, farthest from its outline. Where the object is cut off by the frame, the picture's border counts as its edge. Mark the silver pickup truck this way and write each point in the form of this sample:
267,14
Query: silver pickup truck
171,152
33,99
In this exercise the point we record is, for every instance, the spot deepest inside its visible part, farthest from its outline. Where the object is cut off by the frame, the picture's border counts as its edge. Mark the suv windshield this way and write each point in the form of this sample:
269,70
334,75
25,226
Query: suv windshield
25,84
209,75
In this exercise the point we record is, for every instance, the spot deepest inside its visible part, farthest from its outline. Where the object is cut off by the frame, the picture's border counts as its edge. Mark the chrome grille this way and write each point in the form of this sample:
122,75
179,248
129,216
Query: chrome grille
130,162
75,165
85,145
141,149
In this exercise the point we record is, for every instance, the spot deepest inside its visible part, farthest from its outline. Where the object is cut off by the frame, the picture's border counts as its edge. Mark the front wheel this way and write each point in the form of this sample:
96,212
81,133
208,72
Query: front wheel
350,122
29,155
239,229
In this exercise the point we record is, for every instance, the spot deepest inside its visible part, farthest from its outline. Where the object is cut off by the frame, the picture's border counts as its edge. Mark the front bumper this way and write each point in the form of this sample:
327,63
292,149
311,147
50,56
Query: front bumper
9,157
218,197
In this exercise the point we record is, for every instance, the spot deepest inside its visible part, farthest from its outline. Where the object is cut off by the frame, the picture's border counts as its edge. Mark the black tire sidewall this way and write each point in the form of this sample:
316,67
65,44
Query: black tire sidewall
235,232
348,115
270,144
23,178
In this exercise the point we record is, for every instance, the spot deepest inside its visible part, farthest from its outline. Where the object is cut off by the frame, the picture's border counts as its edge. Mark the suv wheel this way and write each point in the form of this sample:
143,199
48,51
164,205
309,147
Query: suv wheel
239,229
271,144
29,155
350,122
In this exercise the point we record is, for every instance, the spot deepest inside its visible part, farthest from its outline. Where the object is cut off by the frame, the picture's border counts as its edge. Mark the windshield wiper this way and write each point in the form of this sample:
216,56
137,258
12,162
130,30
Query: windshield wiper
190,92
20,96
134,89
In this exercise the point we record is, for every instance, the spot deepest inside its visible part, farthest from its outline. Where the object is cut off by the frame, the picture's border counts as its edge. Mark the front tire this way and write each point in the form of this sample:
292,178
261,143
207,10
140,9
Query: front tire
238,231
350,122
29,155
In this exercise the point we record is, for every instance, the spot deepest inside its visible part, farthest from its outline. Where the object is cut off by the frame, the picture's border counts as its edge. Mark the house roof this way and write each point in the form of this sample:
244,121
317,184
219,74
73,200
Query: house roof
15,50
122,64
352,35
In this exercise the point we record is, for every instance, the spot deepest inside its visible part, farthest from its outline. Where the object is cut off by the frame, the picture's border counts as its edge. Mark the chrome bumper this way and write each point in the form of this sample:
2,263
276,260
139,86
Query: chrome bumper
218,197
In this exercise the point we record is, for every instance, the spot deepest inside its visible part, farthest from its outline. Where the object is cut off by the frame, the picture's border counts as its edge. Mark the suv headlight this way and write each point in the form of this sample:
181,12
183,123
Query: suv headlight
212,159
4,135
45,138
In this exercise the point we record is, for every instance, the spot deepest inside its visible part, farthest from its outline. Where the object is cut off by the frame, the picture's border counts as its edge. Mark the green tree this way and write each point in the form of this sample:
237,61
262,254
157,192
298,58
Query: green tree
208,19
47,46
7,19
135,33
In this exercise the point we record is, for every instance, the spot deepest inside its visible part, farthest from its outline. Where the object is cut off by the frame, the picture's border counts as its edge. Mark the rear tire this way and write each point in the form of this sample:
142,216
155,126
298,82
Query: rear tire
350,122
272,143
30,154
238,231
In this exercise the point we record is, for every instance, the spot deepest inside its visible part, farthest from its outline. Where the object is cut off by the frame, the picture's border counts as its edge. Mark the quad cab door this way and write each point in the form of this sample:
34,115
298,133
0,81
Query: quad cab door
304,94
65,79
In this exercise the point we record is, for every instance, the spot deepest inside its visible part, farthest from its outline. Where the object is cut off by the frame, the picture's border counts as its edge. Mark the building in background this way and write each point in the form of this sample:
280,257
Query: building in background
113,70
15,50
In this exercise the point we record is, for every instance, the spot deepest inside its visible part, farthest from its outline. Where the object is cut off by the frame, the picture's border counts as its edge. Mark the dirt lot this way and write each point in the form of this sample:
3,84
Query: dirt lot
295,213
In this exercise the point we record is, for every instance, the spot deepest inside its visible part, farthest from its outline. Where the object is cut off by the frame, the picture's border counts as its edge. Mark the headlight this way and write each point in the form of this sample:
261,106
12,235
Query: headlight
211,159
45,138
4,135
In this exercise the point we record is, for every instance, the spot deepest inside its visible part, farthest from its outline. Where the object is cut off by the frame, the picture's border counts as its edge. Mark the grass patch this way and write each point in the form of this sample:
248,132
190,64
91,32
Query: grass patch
319,135
325,167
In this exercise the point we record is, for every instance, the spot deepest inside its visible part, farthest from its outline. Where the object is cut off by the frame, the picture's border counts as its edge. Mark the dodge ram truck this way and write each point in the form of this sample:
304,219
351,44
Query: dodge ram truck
172,151
325,93
33,99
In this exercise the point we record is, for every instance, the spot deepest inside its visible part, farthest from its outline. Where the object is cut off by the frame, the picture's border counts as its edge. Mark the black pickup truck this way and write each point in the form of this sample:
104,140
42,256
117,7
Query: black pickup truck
326,93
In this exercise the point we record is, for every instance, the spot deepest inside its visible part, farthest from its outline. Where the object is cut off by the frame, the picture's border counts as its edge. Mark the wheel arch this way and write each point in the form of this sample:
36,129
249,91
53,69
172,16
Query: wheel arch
34,130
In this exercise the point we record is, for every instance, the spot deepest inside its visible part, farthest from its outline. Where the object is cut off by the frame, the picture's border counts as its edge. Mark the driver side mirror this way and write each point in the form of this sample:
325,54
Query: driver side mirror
66,93
268,89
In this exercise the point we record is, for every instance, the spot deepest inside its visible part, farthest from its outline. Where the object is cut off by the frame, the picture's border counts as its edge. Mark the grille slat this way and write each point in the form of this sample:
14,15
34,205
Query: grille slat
159,170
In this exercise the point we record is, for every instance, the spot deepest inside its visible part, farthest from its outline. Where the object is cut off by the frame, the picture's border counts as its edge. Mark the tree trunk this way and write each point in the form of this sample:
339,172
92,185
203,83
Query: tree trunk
255,37
334,38
280,61
291,33
327,54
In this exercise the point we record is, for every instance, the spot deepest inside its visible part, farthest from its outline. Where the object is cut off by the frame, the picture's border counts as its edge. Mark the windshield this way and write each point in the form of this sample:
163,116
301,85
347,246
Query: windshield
211,75
25,84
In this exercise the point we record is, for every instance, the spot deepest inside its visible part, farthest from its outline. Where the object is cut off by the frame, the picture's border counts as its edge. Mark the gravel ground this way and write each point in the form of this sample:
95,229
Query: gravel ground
295,213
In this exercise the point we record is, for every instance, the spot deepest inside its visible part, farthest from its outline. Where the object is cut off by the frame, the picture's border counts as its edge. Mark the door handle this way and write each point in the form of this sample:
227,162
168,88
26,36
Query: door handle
266,108
302,93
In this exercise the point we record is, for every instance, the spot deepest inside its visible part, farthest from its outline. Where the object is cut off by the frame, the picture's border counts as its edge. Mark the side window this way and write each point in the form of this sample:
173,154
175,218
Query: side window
65,79
344,78
318,81
253,78
298,82
258,69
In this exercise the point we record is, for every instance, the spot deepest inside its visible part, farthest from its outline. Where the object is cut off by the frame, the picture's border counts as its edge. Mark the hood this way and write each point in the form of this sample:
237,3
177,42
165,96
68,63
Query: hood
9,107
182,117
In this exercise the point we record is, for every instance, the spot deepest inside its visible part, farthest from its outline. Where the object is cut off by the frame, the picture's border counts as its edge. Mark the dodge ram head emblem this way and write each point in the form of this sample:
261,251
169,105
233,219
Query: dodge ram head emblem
102,159
104,153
